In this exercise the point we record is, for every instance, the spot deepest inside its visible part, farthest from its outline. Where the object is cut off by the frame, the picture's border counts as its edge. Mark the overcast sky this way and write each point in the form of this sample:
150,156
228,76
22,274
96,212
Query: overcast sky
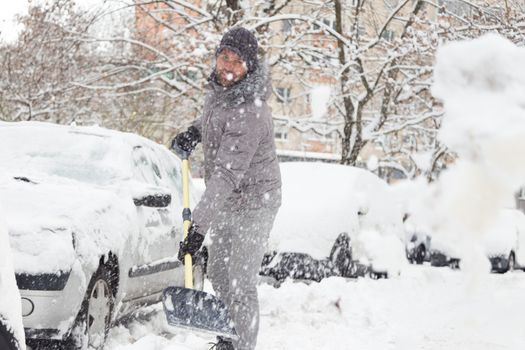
10,8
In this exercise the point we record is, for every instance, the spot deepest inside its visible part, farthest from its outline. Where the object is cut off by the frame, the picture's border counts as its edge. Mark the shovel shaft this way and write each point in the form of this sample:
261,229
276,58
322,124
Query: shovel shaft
188,264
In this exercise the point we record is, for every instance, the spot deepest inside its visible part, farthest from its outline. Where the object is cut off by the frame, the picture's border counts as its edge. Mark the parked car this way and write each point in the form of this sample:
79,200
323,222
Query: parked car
444,254
503,243
334,220
11,329
94,219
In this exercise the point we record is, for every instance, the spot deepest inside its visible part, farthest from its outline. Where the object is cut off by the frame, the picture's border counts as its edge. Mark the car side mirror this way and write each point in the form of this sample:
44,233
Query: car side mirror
157,200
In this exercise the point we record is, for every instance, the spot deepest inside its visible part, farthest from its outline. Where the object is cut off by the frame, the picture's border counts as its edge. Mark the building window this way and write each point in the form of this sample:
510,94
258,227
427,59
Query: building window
388,35
283,94
192,74
457,7
281,135
391,4
328,22
361,30
287,25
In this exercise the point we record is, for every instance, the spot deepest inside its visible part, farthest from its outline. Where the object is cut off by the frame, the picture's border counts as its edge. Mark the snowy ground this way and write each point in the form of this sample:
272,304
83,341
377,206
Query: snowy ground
425,308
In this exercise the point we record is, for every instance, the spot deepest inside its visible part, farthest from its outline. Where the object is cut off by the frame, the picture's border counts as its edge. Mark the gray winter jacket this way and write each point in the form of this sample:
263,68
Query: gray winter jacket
241,167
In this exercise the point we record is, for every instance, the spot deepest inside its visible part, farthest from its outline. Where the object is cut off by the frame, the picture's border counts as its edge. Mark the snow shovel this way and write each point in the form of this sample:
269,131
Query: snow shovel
189,308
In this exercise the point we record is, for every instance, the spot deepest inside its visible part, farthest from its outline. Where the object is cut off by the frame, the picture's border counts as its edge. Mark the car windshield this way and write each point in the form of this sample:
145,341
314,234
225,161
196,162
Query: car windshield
27,151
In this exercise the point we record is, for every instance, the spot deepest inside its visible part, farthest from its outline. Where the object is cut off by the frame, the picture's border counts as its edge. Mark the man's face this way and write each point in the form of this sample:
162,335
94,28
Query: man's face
230,68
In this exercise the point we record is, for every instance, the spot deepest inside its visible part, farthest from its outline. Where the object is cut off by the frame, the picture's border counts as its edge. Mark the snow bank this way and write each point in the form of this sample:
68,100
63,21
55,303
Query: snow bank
10,307
426,308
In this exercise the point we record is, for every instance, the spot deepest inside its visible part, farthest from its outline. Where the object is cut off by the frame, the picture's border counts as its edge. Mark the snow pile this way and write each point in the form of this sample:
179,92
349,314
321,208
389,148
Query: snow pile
148,330
426,308
10,307
482,84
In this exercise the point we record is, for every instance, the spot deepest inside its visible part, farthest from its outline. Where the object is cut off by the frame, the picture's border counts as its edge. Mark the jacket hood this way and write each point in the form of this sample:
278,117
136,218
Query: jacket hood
255,86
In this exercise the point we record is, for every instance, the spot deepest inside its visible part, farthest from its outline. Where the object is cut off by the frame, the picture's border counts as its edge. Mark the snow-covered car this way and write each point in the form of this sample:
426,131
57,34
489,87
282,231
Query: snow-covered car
445,251
503,244
94,219
334,220
11,329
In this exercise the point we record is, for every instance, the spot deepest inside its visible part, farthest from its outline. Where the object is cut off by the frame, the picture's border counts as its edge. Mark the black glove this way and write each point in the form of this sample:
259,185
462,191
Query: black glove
187,140
191,244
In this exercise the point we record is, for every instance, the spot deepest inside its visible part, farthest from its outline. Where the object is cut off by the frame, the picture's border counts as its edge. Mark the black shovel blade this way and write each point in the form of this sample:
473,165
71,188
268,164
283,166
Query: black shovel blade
197,310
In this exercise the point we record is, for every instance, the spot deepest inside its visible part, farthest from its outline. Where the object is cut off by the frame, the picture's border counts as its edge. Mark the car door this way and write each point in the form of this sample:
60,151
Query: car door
172,179
157,253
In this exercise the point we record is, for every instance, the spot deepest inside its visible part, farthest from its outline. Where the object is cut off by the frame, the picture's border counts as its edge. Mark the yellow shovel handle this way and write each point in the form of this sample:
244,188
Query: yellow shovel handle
188,264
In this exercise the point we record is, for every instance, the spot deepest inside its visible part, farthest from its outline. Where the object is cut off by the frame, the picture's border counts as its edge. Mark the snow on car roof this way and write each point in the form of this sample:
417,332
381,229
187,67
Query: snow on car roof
36,148
321,200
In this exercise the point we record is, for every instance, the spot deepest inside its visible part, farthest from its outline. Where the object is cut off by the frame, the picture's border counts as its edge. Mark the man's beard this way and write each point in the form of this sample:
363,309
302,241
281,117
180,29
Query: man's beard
228,79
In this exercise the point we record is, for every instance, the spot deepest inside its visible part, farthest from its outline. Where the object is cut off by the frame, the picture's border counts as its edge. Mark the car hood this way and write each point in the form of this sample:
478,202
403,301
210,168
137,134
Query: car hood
52,222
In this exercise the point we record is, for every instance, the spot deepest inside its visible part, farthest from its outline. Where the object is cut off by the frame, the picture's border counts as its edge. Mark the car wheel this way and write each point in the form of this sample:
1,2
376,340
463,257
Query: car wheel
511,265
420,254
454,264
341,255
94,318
377,275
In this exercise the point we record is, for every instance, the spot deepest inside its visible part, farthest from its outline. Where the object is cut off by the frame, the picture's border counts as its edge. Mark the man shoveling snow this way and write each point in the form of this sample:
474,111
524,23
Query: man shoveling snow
243,181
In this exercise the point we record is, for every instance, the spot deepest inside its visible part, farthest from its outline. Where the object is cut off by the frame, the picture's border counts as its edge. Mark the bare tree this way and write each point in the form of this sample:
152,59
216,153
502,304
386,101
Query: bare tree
36,71
151,79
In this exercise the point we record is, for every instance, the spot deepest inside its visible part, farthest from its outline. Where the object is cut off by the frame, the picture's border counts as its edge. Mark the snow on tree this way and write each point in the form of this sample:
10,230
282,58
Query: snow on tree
147,74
